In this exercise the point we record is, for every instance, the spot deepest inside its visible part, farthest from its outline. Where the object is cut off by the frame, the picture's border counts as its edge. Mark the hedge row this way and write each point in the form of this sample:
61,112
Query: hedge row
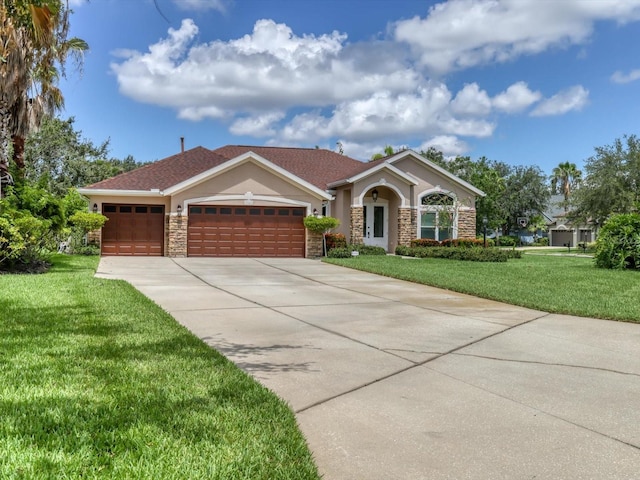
469,254
450,242
345,252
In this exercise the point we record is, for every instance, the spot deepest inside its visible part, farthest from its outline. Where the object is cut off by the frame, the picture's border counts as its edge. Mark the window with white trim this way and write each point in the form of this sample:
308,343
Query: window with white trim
437,216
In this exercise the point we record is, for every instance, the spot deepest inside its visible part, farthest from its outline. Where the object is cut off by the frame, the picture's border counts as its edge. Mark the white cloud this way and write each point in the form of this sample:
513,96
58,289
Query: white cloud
257,125
620,77
449,145
516,98
574,98
201,5
270,69
459,34
471,101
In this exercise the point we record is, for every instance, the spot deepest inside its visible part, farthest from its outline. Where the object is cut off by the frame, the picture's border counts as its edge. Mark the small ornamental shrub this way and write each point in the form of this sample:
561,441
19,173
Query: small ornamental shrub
474,254
462,242
335,240
320,224
542,242
424,242
507,241
403,250
339,252
82,223
618,244
367,249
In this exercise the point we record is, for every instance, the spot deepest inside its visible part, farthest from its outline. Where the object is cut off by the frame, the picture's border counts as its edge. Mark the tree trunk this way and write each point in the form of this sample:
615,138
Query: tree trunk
5,142
18,154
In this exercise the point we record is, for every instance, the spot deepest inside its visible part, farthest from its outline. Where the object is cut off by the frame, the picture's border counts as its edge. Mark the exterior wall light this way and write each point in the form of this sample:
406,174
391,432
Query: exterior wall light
374,195
179,209
95,208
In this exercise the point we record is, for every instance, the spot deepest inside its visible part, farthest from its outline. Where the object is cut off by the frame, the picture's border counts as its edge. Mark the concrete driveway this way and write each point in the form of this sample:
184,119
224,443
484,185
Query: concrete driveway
392,380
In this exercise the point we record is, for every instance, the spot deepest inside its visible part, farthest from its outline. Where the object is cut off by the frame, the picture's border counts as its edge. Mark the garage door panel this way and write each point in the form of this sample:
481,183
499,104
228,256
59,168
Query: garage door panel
133,230
246,231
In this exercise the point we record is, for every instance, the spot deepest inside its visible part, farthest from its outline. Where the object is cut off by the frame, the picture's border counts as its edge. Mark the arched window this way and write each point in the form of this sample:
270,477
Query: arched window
437,216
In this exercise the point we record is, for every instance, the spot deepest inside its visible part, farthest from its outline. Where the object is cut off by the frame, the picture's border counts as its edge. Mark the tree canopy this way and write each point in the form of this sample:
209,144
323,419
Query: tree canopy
611,184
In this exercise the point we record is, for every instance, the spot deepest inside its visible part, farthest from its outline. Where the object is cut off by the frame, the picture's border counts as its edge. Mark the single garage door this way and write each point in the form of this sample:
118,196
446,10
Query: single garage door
560,238
234,231
133,230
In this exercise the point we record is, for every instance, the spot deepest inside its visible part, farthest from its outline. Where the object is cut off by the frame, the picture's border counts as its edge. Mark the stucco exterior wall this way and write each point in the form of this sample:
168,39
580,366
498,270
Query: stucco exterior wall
246,182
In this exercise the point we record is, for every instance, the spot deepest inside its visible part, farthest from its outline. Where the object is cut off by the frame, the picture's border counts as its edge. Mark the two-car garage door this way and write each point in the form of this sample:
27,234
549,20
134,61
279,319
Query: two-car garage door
213,231
245,231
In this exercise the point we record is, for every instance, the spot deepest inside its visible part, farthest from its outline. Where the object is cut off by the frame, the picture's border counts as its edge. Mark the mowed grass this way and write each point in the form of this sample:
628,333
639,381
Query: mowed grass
96,381
551,283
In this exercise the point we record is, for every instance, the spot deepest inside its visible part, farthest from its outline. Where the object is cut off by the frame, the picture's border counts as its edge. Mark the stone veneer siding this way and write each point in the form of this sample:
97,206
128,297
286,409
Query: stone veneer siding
357,225
175,244
94,237
467,224
406,229
314,244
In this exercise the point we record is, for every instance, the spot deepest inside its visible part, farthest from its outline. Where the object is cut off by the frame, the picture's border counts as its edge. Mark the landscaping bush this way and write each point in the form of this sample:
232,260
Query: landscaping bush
82,223
335,240
462,242
424,242
474,254
320,224
403,250
345,252
507,241
339,252
618,244
542,242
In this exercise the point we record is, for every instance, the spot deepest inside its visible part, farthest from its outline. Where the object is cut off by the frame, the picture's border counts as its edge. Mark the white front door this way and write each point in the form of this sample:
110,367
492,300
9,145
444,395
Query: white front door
376,224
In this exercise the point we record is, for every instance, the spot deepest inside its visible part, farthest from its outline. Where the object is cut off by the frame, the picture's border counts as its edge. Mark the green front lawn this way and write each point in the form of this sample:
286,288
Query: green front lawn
551,283
96,381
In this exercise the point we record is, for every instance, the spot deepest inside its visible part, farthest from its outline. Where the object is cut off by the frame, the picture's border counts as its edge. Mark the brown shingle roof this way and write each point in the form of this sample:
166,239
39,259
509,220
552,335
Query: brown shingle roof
164,173
316,166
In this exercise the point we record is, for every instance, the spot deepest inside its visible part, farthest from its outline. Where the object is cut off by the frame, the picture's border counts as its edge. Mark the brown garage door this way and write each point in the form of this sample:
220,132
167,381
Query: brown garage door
216,231
560,238
133,230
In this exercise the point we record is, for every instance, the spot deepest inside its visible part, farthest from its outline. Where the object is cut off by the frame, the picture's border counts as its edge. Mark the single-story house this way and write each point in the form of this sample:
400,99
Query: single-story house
251,201
563,232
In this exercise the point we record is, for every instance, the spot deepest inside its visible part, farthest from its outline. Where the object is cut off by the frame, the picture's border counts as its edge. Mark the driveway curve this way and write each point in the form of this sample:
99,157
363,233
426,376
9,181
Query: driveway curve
393,380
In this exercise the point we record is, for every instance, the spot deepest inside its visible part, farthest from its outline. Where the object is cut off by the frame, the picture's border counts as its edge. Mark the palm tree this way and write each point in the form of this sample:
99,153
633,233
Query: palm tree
33,51
564,178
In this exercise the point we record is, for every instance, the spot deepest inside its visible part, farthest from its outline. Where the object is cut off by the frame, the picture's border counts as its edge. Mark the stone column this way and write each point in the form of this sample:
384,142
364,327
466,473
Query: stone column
175,244
357,225
314,244
406,232
467,223
94,237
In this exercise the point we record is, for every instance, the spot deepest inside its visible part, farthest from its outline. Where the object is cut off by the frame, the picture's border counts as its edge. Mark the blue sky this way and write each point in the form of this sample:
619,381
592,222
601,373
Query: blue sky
526,82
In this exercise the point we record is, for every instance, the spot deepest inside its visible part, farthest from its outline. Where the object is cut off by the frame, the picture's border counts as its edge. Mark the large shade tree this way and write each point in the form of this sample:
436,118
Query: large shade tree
34,47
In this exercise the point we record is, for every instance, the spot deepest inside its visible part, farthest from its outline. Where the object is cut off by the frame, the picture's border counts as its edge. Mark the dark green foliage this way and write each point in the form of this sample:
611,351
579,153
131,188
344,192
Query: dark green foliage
462,242
618,244
474,254
345,252
424,242
507,241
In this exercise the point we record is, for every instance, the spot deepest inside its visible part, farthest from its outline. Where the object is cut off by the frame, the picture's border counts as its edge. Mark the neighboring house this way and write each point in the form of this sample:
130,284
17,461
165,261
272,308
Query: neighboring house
563,232
251,201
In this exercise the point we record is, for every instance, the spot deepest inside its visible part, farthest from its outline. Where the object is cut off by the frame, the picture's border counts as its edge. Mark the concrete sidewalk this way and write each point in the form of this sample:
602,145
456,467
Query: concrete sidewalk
393,380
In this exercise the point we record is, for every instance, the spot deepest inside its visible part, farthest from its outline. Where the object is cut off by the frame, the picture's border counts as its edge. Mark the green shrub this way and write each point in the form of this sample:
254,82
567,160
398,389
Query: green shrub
403,250
424,242
507,241
345,252
474,254
462,242
339,252
542,242
367,249
618,244
320,224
